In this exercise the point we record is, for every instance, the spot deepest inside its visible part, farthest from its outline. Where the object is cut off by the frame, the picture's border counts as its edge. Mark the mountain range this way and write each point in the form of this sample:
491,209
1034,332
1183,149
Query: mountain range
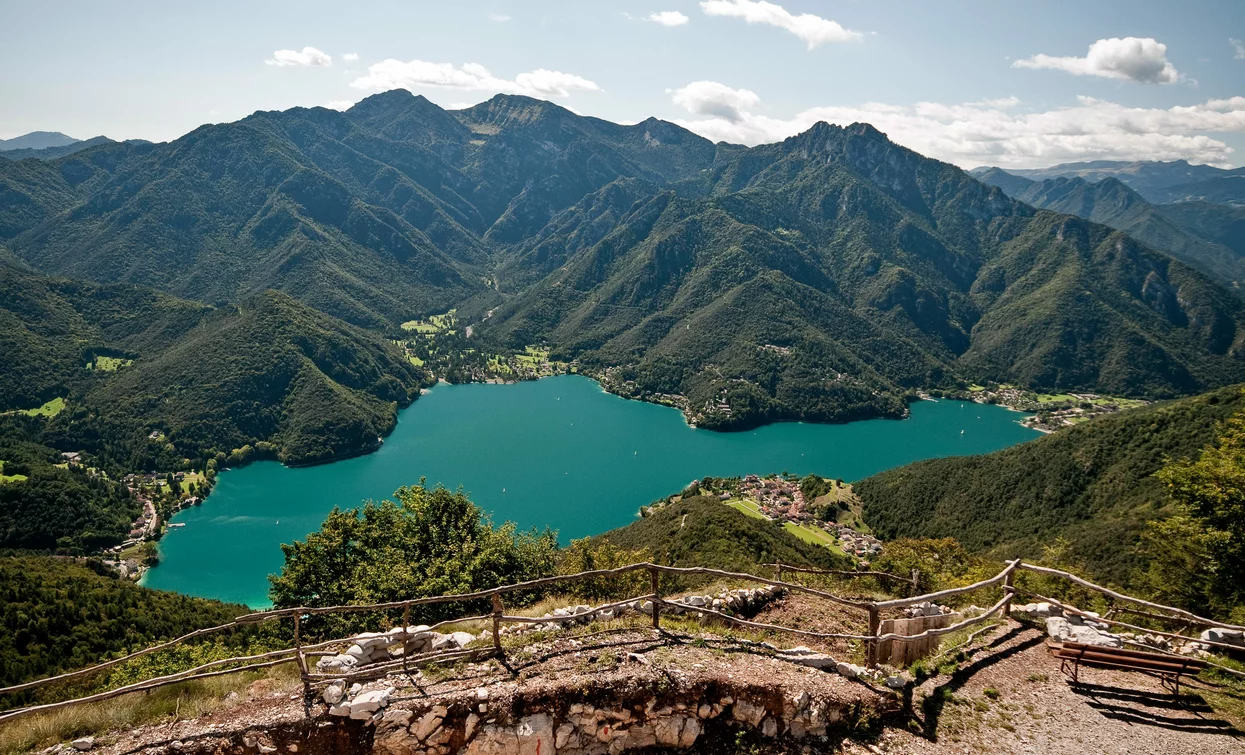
1206,235
37,140
1156,181
827,277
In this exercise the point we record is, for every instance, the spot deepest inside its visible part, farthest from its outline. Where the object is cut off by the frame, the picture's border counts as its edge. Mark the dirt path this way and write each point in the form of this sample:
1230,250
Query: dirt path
1012,698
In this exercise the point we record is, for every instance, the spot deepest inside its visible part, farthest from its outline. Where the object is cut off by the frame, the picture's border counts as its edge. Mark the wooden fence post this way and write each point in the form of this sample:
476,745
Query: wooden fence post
298,653
871,644
1010,589
406,628
497,613
778,571
916,583
652,576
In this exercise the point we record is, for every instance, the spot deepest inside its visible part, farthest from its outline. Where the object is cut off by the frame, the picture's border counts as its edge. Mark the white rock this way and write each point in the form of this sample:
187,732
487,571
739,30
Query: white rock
334,693
84,743
462,639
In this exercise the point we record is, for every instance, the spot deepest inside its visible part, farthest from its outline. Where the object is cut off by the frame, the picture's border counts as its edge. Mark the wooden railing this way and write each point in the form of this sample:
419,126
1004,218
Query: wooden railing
300,653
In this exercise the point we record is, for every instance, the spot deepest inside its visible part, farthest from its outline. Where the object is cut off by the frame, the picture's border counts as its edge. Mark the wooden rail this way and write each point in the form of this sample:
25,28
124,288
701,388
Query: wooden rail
498,617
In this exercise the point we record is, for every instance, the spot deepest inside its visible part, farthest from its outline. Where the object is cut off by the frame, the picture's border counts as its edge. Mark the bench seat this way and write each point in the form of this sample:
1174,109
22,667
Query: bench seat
1168,668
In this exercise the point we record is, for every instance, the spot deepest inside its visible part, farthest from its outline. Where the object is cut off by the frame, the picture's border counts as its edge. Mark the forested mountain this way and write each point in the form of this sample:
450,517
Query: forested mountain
1158,182
823,277
826,277
58,615
1092,484
204,379
1210,237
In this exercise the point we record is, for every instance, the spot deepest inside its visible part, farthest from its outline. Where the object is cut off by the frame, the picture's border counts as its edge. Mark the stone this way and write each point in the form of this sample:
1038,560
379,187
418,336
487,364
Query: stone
398,716
563,735
430,722
896,682
801,701
535,735
769,727
748,712
689,733
339,710
358,652
667,730
704,711
469,726
83,743
334,693
1072,629
462,639
1226,636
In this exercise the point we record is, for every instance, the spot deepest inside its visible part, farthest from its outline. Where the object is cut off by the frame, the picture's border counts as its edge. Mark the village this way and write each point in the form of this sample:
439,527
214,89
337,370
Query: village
1050,411
831,519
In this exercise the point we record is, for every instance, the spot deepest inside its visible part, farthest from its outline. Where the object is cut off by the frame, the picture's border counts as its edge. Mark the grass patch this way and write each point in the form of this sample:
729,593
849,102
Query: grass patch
747,507
9,477
108,364
50,409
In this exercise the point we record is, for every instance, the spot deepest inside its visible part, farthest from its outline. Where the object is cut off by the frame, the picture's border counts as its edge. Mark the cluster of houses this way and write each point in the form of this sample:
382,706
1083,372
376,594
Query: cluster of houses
778,498
851,541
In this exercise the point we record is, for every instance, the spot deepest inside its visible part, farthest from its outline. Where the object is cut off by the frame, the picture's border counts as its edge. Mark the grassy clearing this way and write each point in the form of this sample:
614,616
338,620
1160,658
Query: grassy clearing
50,409
419,326
9,477
108,364
191,477
747,507
188,700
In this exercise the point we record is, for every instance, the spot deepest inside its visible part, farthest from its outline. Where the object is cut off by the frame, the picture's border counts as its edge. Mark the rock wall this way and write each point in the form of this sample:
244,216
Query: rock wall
609,721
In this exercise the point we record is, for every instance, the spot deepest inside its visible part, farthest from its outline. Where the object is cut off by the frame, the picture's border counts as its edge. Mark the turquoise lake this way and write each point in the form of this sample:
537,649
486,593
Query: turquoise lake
558,452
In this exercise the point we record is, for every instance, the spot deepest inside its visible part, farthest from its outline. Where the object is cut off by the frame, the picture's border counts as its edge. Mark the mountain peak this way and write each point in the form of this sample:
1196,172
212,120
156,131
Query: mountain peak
37,140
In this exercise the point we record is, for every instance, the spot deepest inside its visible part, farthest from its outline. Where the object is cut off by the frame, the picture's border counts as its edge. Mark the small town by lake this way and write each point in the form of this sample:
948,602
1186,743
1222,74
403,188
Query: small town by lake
558,452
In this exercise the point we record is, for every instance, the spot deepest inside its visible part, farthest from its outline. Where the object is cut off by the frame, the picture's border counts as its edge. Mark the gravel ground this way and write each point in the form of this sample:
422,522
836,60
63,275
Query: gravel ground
1012,698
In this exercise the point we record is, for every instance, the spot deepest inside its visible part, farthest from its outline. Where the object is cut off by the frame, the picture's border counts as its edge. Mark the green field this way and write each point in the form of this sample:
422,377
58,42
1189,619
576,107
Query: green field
419,326
748,507
108,364
50,409
805,532
9,477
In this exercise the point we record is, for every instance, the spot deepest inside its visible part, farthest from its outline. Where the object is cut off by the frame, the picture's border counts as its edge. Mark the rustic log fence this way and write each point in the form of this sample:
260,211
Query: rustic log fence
497,617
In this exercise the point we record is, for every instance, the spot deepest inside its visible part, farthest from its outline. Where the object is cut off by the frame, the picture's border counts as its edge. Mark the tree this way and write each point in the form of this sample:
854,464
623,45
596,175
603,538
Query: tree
426,543
1209,535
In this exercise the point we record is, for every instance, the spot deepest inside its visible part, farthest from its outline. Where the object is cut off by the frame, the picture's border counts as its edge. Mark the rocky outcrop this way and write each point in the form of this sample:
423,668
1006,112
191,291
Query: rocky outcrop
375,647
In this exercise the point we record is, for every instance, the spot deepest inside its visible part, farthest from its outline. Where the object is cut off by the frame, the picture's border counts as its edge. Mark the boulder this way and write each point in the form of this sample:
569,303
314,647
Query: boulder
462,639
1227,636
84,743
334,693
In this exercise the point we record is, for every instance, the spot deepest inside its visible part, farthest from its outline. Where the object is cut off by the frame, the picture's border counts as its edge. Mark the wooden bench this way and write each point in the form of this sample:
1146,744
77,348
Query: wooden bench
1168,668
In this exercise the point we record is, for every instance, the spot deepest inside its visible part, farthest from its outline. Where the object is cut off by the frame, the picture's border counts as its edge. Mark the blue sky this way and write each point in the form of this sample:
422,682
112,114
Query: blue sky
969,81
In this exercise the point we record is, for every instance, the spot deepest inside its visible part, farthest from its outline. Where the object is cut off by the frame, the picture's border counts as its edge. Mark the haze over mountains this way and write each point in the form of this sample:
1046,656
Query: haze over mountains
37,140
825,277
1158,182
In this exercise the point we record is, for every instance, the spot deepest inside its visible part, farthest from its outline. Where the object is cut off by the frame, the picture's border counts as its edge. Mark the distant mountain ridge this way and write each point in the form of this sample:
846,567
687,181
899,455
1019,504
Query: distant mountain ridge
827,277
51,153
1208,236
1158,182
37,140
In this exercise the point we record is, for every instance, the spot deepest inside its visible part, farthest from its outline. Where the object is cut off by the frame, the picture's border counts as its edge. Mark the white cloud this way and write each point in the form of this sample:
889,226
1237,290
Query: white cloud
395,74
668,18
996,133
339,104
499,18
715,100
1131,59
814,30
1238,48
310,56
350,57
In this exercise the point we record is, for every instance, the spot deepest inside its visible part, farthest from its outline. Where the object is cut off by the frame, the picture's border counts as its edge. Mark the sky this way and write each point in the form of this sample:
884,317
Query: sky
972,82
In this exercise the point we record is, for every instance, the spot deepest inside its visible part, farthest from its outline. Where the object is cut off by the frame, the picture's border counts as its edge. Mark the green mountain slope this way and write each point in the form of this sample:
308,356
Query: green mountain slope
267,369
59,615
700,531
827,276
1207,236
1092,484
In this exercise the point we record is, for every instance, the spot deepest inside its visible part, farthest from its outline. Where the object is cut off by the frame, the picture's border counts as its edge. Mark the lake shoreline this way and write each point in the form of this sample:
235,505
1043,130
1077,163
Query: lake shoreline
562,453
